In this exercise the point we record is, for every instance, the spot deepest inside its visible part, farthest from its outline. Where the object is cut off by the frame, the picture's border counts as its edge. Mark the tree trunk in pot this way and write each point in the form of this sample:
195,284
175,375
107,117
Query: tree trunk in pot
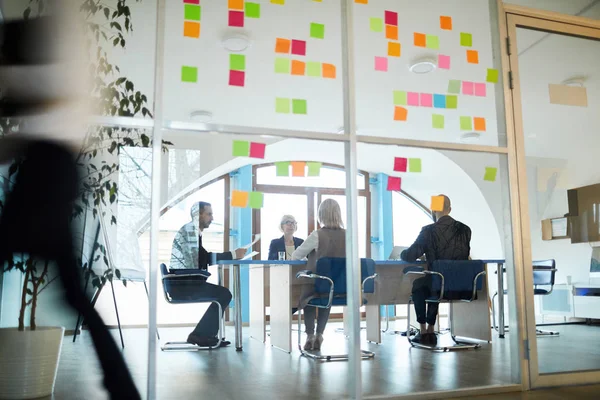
29,361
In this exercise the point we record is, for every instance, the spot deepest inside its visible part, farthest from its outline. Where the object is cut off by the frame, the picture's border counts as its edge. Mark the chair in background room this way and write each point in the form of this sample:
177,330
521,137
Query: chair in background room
544,273
172,278
452,281
330,290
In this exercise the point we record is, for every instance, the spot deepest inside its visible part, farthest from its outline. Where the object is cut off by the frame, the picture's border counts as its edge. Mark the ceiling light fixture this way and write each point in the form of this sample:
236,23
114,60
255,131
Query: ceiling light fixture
576,81
237,42
201,116
423,65
470,137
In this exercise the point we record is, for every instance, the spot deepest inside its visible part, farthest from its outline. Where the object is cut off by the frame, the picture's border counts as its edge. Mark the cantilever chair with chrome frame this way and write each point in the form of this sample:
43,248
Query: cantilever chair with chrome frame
451,281
330,290
174,277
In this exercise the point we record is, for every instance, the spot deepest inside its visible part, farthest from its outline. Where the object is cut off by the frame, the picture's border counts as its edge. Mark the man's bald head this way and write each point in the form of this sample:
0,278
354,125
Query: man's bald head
446,210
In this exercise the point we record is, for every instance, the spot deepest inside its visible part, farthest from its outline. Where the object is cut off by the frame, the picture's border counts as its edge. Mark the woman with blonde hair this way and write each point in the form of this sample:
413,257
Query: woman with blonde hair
329,241
288,243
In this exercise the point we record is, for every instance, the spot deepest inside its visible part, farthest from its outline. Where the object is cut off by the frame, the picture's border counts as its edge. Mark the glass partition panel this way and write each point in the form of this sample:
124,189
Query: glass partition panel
581,8
426,71
476,185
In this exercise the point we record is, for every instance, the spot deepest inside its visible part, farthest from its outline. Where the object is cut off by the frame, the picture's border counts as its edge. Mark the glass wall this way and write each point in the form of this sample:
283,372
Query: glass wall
580,8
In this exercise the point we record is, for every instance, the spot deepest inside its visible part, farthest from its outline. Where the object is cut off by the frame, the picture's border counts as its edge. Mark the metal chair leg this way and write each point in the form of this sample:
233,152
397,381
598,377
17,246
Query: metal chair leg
185,346
117,312
539,332
494,312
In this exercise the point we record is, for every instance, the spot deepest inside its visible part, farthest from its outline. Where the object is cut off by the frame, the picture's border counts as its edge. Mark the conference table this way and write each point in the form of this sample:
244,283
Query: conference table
277,280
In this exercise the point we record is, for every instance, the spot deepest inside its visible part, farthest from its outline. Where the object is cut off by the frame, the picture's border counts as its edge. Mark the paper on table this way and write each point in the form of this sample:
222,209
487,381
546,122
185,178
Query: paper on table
249,255
256,239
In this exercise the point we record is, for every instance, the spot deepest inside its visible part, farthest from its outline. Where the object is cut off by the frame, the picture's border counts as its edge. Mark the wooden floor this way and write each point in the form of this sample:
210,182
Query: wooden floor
261,372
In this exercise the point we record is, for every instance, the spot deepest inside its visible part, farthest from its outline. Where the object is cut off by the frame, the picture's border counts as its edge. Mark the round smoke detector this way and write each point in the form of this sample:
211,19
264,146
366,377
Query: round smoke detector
423,65
236,43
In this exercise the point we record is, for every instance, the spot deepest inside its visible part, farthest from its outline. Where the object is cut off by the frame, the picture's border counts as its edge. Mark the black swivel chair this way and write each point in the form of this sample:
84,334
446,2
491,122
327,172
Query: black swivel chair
172,278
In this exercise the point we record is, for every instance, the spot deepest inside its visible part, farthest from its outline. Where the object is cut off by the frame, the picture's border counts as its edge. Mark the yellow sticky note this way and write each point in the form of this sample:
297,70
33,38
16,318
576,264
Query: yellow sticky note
393,49
239,199
437,203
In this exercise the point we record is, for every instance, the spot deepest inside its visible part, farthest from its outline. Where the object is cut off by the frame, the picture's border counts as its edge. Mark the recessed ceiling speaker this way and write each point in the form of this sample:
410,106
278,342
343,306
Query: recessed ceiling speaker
201,116
236,43
423,65
470,137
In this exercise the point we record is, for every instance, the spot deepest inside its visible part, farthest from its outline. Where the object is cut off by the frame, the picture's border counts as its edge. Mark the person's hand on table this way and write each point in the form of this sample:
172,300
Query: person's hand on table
239,253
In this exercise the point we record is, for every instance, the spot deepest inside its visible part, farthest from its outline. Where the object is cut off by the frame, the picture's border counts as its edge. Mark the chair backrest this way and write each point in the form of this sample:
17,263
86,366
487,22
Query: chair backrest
335,269
544,272
459,278
164,270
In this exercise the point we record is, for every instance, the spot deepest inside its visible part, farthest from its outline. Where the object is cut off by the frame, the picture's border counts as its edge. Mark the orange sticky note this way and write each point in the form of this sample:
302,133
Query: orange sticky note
298,67
191,29
361,1
393,49
400,113
298,168
446,23
391,32
479,124
236,4
328,70
437,203
420,39
282,45
473,56
239,199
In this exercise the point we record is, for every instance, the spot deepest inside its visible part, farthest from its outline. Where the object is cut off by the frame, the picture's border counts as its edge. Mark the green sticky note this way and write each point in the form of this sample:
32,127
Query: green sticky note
282,105
192,12
314,168
376,24
466,123
313,68
451,101
414,165
454,86
298,106
189,74
237,62
433,42
466,39
256,199
252,10
282,168
490,174
437,121
492,75
282,65
317,31
400,98
241,148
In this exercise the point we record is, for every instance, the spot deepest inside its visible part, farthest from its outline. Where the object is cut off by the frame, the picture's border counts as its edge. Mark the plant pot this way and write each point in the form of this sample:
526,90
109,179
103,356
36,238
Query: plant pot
29,361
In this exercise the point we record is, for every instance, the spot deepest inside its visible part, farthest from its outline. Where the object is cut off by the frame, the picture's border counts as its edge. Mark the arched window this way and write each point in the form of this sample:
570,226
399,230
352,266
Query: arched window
409,217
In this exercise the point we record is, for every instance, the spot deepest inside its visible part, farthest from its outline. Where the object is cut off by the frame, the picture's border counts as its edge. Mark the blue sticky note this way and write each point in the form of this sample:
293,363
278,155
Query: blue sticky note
439,101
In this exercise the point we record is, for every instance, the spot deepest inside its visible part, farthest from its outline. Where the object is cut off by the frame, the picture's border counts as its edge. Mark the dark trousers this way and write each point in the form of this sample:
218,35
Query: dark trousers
426,312
194,290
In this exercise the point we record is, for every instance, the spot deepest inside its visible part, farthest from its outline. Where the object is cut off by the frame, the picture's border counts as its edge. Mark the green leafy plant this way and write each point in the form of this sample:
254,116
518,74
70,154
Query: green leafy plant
107,25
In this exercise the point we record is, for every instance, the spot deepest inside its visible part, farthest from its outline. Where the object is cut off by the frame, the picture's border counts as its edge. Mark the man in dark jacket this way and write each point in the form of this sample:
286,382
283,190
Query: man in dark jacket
446,239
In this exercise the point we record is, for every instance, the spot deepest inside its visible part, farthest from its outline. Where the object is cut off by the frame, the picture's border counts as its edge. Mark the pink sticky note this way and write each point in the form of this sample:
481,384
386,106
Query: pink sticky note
443,62
391,18
257,150
480,89
394,183
299,47
381,64
468,88
236,18
236,78
426,100
413,99
400,164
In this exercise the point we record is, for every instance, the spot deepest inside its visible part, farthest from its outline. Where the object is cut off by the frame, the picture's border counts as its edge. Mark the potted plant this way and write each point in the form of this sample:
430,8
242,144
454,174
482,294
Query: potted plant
29,354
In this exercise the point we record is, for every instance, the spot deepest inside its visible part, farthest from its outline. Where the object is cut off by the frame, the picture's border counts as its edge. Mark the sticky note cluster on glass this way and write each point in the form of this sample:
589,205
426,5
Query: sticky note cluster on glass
237,69
472,123
402,164
240,9
298,168
429,41
467,88
301,68
294,106
415,99
243,199
242,148
191,15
